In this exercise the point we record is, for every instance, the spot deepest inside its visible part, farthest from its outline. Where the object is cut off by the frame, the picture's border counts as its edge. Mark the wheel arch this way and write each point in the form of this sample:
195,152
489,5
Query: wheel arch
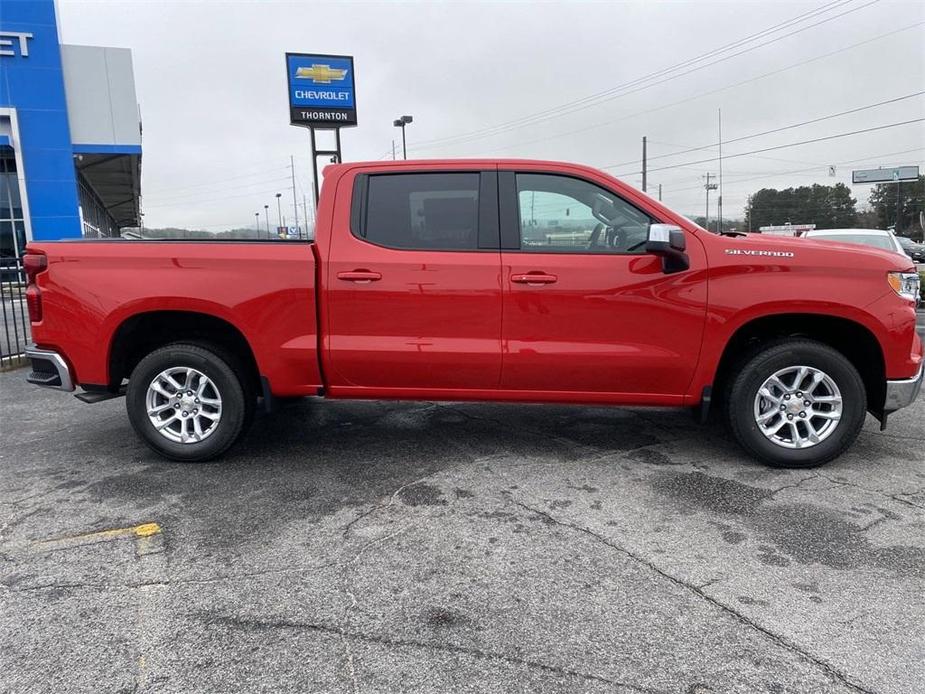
142,333
852,339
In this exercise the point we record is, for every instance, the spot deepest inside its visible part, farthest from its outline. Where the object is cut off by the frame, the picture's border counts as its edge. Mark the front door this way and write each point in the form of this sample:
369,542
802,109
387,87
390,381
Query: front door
585,309
414,287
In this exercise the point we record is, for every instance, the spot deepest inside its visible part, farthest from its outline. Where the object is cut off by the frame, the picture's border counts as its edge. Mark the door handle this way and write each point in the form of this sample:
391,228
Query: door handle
534,278
361,276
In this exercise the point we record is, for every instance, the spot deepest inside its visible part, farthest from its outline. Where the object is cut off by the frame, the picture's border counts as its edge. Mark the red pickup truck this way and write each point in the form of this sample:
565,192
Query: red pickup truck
500,280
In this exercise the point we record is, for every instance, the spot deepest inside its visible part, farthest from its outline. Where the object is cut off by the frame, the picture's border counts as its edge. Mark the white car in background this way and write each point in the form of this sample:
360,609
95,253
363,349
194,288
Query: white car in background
878,238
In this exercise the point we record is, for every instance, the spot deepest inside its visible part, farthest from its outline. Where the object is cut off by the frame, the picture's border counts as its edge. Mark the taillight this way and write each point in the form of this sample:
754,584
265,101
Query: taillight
33,264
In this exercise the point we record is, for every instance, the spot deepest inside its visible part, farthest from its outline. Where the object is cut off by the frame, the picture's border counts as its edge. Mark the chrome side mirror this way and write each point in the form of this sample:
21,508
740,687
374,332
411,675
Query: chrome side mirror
667,241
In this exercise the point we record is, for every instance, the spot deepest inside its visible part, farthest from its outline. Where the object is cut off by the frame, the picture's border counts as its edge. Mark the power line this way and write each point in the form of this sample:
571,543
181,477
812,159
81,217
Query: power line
598,95
788,161
792,144
248,194
160,202
702,95
216,181
800,171
639,84
777,130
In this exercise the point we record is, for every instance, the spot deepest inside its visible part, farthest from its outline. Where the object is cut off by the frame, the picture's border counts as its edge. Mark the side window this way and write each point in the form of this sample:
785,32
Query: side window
427,211
560,214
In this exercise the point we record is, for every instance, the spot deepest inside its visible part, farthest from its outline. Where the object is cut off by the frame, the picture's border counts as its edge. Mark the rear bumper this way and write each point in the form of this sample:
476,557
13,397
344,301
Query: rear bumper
902,393
49,369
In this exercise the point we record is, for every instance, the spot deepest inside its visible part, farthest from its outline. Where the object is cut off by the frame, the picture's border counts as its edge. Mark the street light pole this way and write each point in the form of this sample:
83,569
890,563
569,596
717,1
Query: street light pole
401,123
279,211
266,211
257,223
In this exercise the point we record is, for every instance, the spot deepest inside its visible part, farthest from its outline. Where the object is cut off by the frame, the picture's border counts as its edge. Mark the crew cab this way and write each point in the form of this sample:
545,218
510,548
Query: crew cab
487,280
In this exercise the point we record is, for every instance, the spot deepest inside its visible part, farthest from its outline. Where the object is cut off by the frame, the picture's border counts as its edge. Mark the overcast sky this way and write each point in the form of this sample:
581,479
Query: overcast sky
211,83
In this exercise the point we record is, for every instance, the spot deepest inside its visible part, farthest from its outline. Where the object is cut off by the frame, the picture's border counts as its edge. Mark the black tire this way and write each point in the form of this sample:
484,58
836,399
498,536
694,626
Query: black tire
249,386
755,369
234,408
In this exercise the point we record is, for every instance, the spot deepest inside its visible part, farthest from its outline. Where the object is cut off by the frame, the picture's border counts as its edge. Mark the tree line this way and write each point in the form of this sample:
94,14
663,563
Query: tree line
833,207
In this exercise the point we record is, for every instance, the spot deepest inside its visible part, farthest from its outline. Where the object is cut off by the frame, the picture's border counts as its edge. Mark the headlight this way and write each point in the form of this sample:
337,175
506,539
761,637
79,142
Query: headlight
906,284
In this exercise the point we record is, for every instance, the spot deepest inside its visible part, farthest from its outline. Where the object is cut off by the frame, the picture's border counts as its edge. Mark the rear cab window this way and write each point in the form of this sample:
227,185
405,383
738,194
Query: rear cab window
449,211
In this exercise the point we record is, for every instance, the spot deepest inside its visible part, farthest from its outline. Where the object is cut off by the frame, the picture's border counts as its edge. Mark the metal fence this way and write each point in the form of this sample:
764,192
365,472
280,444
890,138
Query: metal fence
14,334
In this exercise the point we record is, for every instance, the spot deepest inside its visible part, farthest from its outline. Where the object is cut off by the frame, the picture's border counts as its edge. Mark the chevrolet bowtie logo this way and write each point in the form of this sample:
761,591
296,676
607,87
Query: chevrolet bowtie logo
321,74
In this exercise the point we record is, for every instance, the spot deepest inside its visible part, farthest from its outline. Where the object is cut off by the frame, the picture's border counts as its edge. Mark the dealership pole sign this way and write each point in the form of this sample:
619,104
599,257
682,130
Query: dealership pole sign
322,90
322,96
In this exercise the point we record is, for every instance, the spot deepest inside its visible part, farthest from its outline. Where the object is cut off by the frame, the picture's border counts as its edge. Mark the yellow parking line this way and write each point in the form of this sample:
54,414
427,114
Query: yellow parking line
139,531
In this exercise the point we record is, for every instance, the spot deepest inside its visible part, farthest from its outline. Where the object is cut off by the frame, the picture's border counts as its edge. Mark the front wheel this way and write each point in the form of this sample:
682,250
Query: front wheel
186,402
797,403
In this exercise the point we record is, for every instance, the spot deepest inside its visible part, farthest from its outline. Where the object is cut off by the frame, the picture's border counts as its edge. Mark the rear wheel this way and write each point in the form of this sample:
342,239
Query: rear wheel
186,402
796,403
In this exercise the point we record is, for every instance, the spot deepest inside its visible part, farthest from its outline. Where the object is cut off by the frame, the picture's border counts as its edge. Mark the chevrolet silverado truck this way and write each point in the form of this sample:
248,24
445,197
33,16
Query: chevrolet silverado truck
486,280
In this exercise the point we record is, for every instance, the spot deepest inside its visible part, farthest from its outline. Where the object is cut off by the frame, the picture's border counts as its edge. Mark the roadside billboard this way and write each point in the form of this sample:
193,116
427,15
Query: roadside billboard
891,175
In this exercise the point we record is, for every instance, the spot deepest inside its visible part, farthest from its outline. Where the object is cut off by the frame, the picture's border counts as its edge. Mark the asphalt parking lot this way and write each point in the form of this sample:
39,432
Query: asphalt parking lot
385,547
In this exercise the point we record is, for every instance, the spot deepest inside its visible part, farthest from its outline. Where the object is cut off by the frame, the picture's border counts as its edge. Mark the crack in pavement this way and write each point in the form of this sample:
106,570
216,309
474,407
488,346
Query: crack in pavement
776,638
889,495
898,496
794,485
379,507
241,623
354,603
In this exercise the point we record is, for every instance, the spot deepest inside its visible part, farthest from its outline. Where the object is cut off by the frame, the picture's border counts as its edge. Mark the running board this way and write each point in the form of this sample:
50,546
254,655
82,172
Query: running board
97,396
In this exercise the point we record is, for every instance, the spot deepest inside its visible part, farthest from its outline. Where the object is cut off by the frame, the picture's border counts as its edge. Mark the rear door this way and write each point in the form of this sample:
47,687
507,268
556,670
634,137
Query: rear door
586,310
414,287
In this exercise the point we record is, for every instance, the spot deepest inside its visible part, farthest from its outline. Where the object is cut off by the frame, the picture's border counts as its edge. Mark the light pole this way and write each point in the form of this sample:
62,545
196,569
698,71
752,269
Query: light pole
266,211
279,211
401,123
257,223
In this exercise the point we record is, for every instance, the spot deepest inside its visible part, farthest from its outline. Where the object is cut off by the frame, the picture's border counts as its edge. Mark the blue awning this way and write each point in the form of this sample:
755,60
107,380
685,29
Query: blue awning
106,149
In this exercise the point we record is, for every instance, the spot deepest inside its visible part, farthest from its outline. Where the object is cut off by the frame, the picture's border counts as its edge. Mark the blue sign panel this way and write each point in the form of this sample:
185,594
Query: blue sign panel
322,91
32,83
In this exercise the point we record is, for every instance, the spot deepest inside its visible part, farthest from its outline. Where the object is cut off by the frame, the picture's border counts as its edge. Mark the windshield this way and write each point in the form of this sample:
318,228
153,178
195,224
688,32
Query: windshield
875,240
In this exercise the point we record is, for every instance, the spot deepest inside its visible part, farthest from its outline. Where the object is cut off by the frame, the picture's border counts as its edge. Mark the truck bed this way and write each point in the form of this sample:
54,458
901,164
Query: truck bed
263,289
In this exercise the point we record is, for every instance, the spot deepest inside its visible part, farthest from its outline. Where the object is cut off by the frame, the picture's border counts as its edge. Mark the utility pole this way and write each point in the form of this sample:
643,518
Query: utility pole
295,202
896,224
659,192
709,186
719,202
305,210
393,149
643,163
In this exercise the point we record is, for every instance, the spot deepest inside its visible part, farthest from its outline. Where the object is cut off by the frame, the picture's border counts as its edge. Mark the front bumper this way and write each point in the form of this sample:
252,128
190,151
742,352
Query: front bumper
49,369
900,394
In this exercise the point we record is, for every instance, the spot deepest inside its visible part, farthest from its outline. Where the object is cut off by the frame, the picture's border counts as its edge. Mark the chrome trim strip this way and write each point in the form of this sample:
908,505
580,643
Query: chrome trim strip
903,393
67,383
